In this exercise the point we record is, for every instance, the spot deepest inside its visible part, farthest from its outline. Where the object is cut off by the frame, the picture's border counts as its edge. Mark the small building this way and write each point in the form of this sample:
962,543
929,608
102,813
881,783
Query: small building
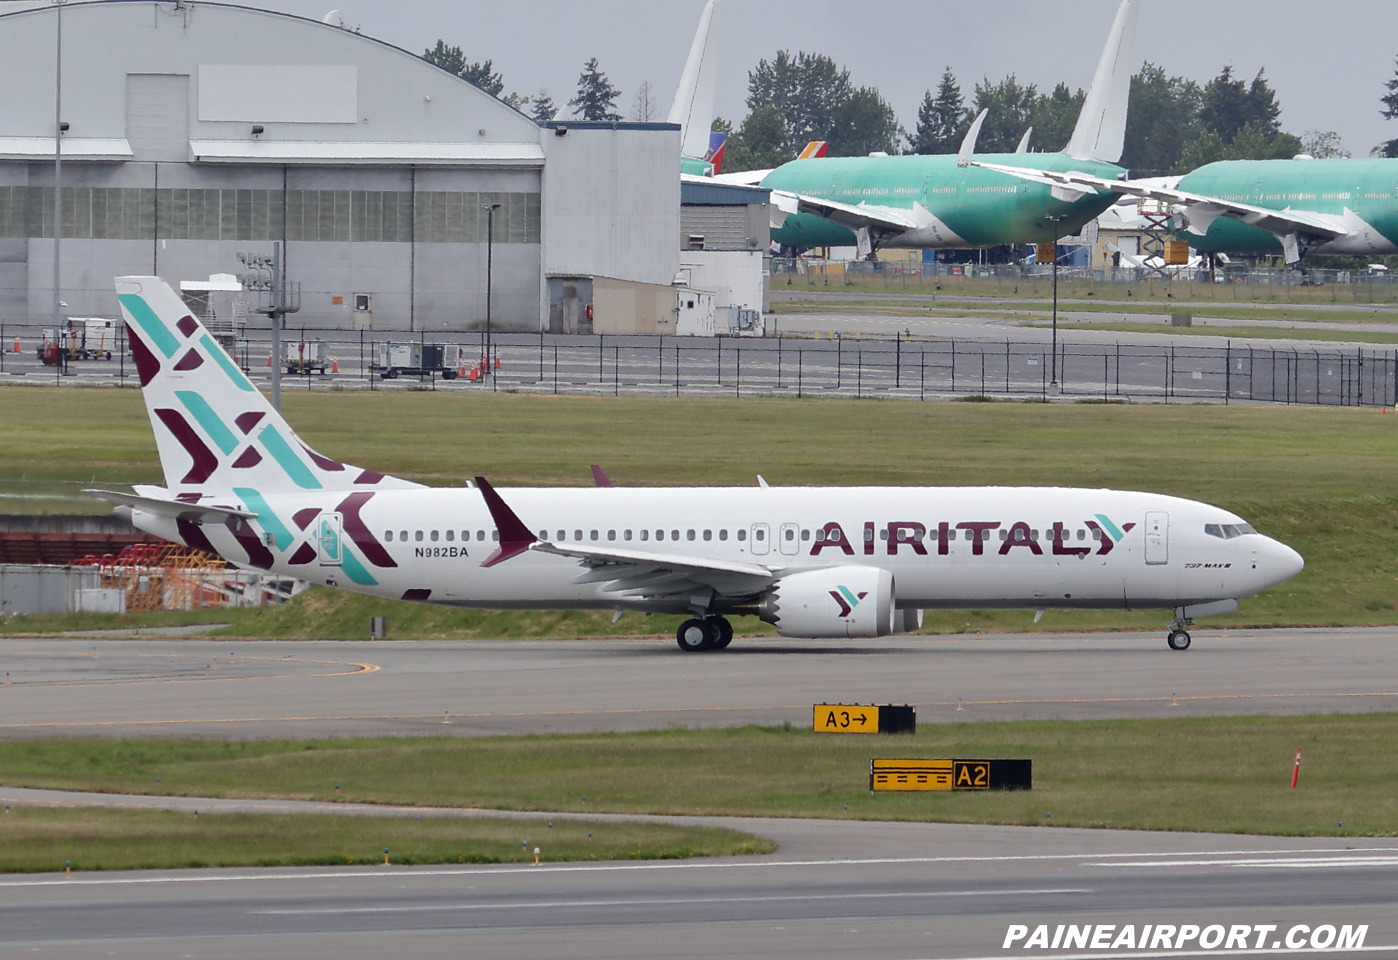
724,280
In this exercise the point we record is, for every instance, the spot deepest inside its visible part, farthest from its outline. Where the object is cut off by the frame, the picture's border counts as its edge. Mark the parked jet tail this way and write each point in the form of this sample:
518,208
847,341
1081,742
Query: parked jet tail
1101,130
814,149
693,108
717,141
216,433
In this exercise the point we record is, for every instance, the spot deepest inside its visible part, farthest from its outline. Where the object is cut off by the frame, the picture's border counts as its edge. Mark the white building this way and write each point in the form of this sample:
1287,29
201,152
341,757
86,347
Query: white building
196,131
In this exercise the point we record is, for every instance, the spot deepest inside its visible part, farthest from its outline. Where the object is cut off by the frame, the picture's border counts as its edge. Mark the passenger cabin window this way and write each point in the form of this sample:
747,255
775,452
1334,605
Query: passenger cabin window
723,534
805,534
593,535
577,534
708,534
451,535
433,536
645,534
480,534
495,535
403,535
562,535
742,534
674,534
543,535
626,535
759,534
417,534
790,534
660,534
611,534
689,534
388,536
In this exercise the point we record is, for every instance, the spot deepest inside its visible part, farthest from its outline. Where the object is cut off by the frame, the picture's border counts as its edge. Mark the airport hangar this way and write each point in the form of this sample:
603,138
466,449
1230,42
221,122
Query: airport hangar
199,130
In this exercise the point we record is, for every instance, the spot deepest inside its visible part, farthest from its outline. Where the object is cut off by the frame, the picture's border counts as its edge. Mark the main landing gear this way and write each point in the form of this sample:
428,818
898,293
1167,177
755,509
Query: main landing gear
1178,640
710,633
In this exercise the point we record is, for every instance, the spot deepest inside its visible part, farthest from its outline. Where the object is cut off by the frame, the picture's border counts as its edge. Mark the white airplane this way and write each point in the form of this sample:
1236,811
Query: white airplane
817,562
701,151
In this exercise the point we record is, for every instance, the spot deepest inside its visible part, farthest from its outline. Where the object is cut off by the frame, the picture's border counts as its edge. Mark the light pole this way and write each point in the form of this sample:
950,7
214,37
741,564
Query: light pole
489,209
1053,376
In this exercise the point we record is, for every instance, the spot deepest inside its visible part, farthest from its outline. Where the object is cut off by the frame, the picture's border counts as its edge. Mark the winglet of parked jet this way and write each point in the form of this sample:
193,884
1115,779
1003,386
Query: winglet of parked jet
693,108
599,477
515,537
968,145
1101,130
1024,142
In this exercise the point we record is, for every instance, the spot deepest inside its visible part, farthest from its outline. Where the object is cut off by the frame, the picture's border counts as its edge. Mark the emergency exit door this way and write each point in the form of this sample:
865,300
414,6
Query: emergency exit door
328,533
1157,537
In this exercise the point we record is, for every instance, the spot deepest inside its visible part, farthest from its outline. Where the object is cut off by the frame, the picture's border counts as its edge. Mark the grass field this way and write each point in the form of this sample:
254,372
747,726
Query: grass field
1320,479
35,839
1226,774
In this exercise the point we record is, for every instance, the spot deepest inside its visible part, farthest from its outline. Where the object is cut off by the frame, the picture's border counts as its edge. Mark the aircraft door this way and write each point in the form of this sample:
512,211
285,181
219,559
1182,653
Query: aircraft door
328,532
761,538
1157,537
789,539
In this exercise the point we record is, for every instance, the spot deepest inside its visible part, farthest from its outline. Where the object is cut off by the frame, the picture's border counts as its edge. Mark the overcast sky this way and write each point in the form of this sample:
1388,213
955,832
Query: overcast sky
1327,61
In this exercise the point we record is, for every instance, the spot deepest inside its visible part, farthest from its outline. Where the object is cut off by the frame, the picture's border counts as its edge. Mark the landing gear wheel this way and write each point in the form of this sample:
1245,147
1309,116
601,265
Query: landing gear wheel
725,632
694,635
1178,640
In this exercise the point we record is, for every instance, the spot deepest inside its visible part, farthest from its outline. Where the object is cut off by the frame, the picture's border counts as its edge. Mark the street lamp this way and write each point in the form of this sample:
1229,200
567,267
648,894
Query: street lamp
1053,376
489,209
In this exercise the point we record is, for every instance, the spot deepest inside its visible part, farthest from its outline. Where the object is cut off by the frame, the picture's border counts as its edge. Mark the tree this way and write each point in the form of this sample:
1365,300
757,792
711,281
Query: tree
453,61
816,100
759,144
941,120
543,109
1248,144
596,99
1011,109
865,124
1323,145
1162,114
1053,117
1389,112
1228,105
645,109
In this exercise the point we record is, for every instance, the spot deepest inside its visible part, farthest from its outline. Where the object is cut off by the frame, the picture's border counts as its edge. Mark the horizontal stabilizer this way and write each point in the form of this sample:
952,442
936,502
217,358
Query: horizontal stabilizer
175,509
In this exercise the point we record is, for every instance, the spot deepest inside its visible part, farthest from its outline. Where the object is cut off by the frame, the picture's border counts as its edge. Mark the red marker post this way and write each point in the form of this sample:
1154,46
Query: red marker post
1296,770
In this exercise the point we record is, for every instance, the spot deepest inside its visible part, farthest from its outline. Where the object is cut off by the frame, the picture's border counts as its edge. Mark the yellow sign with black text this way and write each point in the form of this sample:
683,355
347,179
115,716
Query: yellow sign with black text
888,773
845,718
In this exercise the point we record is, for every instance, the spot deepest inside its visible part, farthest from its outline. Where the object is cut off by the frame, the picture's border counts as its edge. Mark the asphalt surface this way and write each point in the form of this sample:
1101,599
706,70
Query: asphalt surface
833,891
261,689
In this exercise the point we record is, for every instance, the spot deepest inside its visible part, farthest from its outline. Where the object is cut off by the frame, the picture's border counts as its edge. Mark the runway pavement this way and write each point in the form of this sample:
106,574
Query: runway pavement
833,891
261,689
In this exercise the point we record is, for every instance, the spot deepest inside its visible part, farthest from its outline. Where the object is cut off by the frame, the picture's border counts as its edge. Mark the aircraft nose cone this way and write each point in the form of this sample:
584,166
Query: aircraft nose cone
1283,563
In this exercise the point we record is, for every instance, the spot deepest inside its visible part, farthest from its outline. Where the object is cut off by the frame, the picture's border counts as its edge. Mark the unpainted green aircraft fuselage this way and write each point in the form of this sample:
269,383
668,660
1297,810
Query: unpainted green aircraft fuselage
955,207
1361,194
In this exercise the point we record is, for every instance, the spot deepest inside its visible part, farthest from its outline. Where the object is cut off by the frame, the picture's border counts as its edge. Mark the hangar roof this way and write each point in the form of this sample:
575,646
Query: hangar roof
693,193
319,93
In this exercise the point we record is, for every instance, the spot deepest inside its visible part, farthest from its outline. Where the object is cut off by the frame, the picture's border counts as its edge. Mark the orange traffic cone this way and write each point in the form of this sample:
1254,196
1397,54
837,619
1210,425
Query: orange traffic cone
16,344
334,366
269,358
497,361
462,373
475,375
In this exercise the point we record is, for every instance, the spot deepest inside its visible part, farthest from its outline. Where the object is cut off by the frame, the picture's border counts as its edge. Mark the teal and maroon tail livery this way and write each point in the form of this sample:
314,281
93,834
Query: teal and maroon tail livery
239,482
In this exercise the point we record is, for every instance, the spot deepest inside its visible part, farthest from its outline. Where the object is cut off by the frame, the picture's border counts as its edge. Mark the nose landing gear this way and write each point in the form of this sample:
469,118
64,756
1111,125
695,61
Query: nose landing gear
710,633
1178,640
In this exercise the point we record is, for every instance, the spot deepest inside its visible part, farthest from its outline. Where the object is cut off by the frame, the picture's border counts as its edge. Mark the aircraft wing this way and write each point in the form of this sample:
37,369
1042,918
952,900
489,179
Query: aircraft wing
1200,211
744,178
638,575
852,215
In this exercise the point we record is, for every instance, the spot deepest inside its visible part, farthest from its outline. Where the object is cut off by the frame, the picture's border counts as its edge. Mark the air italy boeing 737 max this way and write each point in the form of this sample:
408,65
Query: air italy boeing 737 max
939,202
816,562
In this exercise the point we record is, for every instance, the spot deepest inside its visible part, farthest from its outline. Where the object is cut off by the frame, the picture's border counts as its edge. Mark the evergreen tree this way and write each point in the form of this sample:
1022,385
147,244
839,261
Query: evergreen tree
453,61
542,108
1228,105
1162,115
759,144
1011,109
1053,117
596,99
1389,112
816,100
941,120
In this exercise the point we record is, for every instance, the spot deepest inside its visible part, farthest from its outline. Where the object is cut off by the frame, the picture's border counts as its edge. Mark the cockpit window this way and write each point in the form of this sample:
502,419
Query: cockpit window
1228,531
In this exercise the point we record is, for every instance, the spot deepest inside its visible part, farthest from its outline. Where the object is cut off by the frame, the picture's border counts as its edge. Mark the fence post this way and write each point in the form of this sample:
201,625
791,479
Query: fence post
953,366
801,355
897,358
779,362
555,369
616,371
720,360
677,369
541,354
1106,364
1227,371
858,372
601,352
1007,366
983,369
738,373
922,373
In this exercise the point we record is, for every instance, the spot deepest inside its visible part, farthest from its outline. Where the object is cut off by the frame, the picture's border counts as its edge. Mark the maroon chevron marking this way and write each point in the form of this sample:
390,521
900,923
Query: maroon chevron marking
325,463
187,326
193,536
147,366
359,533
845,608
246,421
248,458
304,554
368,476
1126,527
205,462
418,594
190,361
258,554
305,516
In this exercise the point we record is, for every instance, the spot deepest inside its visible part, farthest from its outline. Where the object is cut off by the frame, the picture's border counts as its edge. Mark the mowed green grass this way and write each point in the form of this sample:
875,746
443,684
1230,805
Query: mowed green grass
1222,774
35,839
1320,479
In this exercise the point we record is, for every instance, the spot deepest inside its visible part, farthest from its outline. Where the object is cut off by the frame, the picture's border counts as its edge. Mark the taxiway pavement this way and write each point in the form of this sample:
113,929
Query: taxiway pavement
262,689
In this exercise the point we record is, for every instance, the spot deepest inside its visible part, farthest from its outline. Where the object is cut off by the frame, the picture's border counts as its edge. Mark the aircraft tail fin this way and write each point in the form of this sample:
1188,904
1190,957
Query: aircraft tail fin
215,432
693,108
814,149
1101,130
717,141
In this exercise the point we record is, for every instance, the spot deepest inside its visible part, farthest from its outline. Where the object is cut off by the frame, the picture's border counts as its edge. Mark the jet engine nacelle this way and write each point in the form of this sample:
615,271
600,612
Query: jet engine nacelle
836,602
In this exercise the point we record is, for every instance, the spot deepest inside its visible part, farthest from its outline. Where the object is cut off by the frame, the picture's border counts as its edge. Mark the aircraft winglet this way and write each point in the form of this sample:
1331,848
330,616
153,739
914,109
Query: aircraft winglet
515,537
968,146
599,477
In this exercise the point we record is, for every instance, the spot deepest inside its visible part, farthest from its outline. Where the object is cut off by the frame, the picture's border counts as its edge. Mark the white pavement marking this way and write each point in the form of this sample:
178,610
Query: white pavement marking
1269,861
